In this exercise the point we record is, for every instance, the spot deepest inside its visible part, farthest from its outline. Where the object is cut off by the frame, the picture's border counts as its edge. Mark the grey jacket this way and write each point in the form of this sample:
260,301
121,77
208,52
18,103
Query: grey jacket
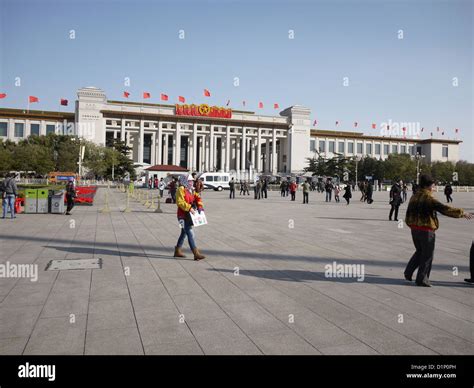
9,186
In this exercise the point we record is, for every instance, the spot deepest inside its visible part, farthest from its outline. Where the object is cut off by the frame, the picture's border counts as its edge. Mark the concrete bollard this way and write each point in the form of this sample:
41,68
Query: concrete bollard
106,208
152,204
158,209
127,204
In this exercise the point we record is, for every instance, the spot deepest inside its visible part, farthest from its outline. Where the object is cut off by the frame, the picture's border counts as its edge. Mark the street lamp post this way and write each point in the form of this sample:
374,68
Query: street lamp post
418,157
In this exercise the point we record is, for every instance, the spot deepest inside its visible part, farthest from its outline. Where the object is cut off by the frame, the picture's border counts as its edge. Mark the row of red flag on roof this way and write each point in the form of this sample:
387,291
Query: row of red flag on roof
207,93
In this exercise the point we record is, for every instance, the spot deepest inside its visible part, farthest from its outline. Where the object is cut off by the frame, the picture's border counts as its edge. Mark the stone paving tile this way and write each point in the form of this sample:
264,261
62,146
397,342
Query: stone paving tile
110,314
12,346
113,342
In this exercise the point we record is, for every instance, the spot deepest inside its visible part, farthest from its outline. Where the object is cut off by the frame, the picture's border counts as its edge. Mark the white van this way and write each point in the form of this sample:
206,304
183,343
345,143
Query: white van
215,180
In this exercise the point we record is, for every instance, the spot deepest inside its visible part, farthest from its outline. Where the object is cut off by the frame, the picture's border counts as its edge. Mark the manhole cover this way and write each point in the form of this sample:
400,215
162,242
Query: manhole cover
64,265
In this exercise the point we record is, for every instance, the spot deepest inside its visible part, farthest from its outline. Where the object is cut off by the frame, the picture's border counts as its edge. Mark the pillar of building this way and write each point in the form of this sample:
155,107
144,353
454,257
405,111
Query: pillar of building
258,165
274,153
141,141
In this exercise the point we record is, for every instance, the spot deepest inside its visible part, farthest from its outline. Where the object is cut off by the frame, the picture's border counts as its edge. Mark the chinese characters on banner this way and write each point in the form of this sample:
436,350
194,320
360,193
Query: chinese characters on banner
203,110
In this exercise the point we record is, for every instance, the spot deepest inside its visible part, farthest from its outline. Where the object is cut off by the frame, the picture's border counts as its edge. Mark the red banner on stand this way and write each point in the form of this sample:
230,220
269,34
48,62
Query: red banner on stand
203,110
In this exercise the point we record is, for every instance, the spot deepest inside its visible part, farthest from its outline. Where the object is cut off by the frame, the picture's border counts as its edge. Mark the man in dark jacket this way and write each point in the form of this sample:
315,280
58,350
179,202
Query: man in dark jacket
9,193
328,187
448,190
395,200
232,188
370,192
70,196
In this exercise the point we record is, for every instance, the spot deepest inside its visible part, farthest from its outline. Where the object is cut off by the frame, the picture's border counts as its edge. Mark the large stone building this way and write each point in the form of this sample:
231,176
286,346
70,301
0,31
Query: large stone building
203,138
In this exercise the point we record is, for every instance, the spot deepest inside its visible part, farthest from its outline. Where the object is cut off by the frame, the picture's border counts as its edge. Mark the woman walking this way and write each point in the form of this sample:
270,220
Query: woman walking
188,202
347,193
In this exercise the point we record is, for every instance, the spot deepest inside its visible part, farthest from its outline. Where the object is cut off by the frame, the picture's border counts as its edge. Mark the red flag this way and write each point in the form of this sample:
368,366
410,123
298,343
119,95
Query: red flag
260,105
228,102
126,94
33,99
146,95
181,99
3,95
337,123
164,97
207,93
374,126
64,102
276,106
355,124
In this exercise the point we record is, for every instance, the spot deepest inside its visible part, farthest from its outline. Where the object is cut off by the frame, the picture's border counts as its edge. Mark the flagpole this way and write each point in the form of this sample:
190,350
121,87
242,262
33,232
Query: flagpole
28,110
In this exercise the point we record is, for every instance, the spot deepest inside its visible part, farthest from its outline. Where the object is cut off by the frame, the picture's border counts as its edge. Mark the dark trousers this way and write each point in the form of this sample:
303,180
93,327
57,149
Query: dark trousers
394,208
347,200
328,196
264,193
232,193
283,192
422,259
471,261
293,195
305,197
70,203
449,198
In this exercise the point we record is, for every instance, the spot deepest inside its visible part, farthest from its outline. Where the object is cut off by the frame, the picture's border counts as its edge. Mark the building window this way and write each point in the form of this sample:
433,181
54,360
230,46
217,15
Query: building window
445,151
340,147
377,149
386,149
394,149
403,149
19,129
332,146
418,150
50,128
411,150
35,129
360,148
350,147
312,145
322,146
4,129
368,149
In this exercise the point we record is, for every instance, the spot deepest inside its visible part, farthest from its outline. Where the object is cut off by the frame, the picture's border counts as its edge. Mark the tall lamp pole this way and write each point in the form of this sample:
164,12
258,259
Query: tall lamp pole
418,157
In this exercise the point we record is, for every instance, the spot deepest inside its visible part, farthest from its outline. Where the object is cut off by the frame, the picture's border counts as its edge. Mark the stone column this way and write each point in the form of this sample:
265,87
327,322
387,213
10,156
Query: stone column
258,166
274,153
122,130
194,149
178,145
141,141
243,151
159,145
211,149
267,155
227,149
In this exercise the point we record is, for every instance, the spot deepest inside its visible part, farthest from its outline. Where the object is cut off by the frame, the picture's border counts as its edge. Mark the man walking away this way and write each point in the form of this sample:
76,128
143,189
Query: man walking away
347,193
404,191
293,190
70,196
232,188
395,200
328,187
306,188
448,190
258,190
423,221
9,193
370,192
264,188
283,188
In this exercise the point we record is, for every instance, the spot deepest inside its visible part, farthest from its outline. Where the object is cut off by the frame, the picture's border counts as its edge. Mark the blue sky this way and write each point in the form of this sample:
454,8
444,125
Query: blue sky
403,80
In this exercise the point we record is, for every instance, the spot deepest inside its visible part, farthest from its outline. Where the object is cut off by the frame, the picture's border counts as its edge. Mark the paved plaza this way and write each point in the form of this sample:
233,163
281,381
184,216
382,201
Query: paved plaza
261,290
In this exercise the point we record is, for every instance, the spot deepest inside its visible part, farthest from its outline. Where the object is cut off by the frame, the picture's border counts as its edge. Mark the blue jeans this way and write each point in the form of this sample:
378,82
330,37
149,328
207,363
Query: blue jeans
328,196
187,230
9,200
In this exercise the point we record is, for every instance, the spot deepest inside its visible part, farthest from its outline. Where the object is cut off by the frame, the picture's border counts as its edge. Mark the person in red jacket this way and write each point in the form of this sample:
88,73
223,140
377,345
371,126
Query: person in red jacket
293,187
188,202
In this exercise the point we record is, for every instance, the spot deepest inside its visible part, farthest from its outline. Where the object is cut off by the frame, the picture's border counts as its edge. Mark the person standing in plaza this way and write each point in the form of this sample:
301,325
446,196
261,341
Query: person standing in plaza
264,188
328,187
198,185
306,189
172,189
283,188
448,191
423,221
161,187
369,192
293,187
9,194
347,193
404,191
337,190
395,200
155,183
70,196
188,202
232,189
258,189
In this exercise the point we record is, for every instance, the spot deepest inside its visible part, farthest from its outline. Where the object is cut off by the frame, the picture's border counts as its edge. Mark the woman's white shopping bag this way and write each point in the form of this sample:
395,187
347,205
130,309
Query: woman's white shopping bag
198,218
